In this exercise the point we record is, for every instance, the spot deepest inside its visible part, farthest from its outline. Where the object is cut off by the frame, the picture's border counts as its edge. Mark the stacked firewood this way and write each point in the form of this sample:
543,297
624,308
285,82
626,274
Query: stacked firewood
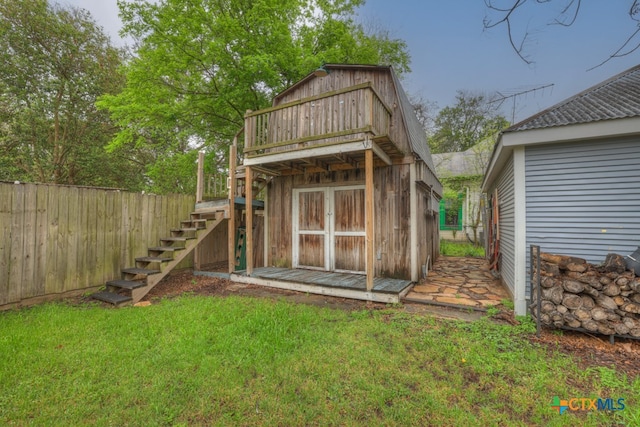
602,299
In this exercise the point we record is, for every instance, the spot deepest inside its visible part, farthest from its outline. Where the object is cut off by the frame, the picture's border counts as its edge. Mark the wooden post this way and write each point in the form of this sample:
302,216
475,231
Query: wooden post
249,211
413,221
265,229
197,256
368,211
233,153
200,181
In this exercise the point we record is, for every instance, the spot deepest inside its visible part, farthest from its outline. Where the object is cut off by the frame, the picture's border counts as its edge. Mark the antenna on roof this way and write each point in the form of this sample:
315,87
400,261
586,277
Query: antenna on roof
513,95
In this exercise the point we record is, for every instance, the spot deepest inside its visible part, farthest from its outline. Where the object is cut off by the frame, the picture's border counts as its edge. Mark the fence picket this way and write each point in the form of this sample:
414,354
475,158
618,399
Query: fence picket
17,238
55,239
6,200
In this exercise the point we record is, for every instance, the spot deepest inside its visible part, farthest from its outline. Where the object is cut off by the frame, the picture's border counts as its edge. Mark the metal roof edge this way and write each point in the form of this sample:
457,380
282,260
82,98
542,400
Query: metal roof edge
515,127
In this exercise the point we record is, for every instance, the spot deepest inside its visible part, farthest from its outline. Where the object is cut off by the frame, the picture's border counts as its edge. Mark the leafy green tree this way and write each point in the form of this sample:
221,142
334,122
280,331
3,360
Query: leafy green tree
201,64
56,62
471,120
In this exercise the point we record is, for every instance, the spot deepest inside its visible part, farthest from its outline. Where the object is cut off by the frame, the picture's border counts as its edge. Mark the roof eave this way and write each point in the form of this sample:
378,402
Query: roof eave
508,140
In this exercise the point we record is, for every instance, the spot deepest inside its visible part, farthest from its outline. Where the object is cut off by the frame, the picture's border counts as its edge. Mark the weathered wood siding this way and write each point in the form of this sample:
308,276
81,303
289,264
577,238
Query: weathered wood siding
312,221
279,251
392,222
428,234
392,216
258,241
349,224
338,116
338,79
56,239
214,249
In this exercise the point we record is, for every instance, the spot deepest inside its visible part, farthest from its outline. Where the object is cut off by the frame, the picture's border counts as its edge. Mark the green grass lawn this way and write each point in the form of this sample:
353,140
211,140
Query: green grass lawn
244,361
461,249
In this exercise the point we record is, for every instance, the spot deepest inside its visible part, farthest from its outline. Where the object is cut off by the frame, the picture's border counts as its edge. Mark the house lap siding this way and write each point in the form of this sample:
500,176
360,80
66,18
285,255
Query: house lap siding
583,198
506,200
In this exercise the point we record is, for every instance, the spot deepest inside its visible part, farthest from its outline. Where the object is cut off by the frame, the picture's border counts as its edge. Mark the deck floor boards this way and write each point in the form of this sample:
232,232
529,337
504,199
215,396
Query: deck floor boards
332,280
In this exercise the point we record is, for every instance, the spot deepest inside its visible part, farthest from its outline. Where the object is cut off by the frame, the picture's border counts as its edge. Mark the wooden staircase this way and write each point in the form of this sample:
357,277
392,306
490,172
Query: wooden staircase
149,270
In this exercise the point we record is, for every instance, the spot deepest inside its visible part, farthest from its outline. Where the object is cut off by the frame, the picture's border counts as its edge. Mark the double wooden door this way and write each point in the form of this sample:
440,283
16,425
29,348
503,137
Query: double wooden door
329,228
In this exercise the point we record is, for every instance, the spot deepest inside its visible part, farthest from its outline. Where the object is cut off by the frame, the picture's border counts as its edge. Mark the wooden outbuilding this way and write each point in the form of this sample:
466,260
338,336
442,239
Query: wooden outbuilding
349,188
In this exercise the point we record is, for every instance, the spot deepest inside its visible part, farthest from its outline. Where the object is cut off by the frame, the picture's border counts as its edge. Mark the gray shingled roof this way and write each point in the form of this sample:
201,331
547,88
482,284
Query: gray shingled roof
615,98
469,162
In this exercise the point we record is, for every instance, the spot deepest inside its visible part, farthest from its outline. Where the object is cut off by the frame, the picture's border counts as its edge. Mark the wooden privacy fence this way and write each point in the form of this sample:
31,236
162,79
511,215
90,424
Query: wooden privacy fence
57,239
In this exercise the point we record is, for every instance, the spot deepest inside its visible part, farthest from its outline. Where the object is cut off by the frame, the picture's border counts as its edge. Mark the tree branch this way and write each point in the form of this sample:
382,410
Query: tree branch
564,11
617,53
571,7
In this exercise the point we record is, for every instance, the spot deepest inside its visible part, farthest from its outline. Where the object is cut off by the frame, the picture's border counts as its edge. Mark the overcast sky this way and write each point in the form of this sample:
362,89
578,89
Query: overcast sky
451,51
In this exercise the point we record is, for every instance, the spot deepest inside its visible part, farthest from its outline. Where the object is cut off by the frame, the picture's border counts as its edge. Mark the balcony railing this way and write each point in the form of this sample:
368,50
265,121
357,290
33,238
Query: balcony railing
340,116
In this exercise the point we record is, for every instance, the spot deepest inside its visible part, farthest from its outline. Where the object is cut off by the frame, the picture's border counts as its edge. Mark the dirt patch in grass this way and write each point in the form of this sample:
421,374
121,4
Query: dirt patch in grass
594,351
590,351
185,282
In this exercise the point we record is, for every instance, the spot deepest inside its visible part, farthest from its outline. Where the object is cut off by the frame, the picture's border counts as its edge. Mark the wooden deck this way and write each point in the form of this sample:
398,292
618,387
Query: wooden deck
342,285
223,204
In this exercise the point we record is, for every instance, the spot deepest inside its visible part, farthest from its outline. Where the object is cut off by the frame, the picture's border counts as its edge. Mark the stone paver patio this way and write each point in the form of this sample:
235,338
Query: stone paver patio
464,282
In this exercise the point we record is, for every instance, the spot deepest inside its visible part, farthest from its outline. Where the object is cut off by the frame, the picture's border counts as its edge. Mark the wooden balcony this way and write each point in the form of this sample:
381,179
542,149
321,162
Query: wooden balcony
325,131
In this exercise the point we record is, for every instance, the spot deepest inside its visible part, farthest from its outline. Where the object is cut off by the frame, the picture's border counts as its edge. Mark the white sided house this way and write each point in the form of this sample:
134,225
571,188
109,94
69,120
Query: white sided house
567,179
463,221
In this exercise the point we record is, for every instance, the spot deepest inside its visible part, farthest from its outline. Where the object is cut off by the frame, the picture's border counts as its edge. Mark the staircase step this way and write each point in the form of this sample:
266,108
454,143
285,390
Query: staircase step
191,222
176,239
154,259
195,216
126,284
112,298
199,224
185,229
189,233
140,271
166,248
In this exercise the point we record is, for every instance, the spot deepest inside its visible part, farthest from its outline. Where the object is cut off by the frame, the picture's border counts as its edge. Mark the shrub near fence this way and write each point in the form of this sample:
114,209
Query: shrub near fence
58,239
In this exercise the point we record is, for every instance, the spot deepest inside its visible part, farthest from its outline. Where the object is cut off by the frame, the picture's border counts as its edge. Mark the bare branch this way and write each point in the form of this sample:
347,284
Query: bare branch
634,11
565,10
566,18
618,53
509,11
506,19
